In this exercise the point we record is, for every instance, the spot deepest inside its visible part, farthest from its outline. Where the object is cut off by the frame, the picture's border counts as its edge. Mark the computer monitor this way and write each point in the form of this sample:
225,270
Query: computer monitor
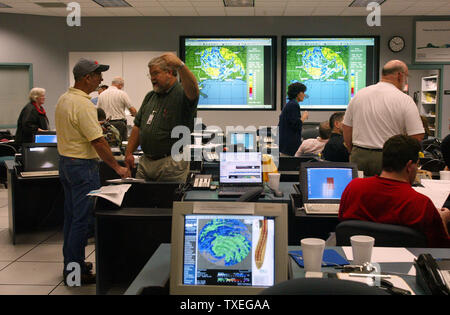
228,248
325,182
245,140
45,138
40,157
240,168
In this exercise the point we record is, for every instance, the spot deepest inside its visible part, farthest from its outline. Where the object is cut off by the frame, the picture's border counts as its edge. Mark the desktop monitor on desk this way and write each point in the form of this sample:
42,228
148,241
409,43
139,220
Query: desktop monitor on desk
40,157
245,140
324,182
227,248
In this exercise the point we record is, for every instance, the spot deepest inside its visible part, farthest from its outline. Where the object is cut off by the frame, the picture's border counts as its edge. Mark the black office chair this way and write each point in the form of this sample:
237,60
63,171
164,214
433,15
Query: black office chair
7,152
386,235
322,286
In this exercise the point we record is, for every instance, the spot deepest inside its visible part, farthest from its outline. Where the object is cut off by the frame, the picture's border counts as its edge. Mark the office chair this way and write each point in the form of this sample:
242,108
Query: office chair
322,286
7,152
386,235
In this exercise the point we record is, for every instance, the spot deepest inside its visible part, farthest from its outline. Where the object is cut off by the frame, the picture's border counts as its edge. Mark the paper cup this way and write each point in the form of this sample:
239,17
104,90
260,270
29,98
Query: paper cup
444,175
362,248
312,251
274,180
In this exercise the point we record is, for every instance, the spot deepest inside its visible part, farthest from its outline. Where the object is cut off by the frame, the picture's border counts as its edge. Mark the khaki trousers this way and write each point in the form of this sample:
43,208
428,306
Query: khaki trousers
162,170
368,161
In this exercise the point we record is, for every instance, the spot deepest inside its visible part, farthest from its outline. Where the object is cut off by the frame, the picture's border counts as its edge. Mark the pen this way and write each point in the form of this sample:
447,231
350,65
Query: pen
368,275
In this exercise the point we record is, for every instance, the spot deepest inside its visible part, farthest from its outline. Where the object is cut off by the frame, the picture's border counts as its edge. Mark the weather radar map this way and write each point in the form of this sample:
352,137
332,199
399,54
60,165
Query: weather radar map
333,69
225,242
231,72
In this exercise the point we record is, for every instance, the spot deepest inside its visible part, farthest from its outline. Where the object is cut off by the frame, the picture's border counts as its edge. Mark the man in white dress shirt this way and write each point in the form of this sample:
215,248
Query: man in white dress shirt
114,101
378,112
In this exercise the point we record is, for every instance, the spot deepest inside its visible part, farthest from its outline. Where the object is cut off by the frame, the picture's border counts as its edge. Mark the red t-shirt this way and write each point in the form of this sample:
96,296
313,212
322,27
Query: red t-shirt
390,201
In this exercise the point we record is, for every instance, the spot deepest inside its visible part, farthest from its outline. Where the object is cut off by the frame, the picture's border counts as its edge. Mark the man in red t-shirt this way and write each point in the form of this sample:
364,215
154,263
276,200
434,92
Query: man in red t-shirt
389,197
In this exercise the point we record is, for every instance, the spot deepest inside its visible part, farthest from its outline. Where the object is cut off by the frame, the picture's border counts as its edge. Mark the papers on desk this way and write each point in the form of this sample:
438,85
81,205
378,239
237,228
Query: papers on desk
436,190
113,193
386,255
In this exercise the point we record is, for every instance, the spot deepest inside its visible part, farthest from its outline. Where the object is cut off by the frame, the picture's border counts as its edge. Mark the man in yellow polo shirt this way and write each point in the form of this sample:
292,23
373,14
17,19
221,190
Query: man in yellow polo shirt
80,143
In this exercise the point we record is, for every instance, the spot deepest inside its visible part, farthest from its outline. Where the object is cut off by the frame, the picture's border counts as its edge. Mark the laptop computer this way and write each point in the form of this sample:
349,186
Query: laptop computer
239,172
322,185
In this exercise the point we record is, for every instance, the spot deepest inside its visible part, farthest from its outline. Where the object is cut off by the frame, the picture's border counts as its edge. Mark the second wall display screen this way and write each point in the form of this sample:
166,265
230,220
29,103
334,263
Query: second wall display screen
333,69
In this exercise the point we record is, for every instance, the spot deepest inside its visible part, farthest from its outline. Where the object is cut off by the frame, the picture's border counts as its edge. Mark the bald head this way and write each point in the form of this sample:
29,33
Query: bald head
394,66
395,72
118,82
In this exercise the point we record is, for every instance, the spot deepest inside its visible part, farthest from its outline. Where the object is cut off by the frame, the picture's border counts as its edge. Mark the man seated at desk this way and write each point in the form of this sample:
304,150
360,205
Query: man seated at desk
389,198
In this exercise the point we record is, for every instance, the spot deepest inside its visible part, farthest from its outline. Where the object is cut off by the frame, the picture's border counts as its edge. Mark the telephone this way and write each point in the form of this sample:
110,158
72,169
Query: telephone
433,276
200,181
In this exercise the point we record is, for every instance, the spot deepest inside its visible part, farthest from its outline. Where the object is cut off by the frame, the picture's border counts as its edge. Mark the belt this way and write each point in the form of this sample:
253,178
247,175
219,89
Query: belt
118,120
156,156
368,149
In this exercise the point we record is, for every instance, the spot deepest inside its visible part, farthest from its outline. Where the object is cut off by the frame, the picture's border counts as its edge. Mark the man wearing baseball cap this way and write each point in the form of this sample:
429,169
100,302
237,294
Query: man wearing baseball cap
80,144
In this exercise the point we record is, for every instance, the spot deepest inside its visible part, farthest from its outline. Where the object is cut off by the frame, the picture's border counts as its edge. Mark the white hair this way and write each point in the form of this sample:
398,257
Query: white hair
35,93
117,80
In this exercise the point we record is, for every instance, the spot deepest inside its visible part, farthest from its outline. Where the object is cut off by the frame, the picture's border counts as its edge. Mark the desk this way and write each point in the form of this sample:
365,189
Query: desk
155,273
286,187
33,203
127,236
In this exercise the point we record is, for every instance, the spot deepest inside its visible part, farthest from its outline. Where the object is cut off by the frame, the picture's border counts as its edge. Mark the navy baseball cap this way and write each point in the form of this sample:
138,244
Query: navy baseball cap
86,66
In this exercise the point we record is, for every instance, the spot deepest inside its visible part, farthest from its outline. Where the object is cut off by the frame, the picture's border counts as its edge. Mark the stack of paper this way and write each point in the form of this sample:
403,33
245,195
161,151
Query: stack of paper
436,190
113,193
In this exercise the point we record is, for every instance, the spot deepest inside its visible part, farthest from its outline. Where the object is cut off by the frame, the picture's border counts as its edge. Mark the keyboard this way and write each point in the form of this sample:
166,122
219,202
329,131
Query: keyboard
235,190
39,173
322,208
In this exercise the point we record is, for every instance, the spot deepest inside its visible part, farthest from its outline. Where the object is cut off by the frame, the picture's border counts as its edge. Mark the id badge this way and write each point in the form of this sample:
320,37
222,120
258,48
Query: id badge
150,118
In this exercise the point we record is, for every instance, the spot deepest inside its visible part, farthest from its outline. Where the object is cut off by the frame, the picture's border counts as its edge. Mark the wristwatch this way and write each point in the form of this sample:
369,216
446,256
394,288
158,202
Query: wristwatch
180,66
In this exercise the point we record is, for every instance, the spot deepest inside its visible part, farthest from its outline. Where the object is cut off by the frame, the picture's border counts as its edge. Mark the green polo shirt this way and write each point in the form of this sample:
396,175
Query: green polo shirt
169,110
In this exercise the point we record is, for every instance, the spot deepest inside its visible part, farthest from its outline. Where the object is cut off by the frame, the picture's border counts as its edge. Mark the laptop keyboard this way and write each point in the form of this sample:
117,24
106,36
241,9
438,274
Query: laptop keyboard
322,208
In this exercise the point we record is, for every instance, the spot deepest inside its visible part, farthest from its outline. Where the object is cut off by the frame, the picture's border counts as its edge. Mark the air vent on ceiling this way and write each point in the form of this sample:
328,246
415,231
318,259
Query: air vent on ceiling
239,3
364,3
51,4
112,3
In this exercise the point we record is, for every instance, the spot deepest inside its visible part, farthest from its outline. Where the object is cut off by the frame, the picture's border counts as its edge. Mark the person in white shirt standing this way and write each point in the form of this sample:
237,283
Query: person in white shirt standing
114,101
377,113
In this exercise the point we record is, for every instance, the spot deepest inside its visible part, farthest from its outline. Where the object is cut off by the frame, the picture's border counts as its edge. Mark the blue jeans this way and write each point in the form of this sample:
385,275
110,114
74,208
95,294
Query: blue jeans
78,177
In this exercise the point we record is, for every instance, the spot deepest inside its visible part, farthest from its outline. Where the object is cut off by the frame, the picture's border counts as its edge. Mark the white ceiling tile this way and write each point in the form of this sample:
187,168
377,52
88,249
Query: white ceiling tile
153,11
210,11
269,11
298,11
95,12
240,11
181,11
328,11
123,11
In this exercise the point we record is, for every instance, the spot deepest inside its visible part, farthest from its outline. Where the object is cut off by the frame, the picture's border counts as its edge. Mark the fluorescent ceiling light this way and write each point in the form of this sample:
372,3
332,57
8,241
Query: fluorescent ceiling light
239,3
51,4
112,3
4,6
364,3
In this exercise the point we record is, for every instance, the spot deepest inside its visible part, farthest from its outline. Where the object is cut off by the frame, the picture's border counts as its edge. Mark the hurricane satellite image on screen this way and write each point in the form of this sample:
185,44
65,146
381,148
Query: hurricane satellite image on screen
218,68
225,243
324,71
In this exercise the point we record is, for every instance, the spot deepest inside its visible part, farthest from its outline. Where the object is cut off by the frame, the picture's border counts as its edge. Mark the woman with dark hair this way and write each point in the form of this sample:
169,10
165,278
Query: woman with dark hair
32,118
291,122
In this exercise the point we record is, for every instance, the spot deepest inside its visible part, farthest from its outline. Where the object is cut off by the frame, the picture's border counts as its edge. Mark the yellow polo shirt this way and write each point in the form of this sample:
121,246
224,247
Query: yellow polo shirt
76,125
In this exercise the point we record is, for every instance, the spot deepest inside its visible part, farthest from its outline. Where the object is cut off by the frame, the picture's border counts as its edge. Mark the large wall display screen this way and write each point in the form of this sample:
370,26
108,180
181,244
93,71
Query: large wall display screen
232,73
333,69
